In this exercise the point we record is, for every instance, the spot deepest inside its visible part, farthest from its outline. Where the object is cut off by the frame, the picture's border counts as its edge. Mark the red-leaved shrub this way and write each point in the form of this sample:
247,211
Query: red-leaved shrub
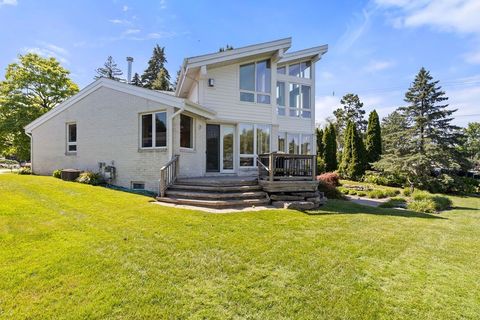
328,183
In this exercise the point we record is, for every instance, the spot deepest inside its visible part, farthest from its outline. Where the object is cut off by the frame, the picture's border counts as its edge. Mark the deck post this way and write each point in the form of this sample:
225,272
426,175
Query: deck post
270,166
314,167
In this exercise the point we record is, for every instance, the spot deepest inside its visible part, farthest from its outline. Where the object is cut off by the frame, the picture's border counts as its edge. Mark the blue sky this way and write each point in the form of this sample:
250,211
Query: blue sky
376,47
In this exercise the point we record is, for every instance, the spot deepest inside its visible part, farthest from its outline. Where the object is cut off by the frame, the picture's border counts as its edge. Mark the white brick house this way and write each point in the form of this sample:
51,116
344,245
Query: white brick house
228,108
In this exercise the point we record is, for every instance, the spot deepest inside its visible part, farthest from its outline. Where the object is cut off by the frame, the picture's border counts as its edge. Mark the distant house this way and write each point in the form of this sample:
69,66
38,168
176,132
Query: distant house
228,108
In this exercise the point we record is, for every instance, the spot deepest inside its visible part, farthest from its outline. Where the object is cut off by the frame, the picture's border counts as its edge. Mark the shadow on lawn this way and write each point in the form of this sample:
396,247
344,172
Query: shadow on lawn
346,207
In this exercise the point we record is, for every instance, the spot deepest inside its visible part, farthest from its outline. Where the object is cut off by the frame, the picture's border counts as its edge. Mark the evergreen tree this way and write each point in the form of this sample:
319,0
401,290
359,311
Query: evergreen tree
393,127
136,81
109,70
353,158
430,141
320,145
156,76
353,110
330,148
179,71
373,140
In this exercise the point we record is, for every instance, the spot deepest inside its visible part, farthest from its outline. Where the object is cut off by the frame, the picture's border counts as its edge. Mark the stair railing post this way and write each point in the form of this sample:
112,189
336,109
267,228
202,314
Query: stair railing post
271,167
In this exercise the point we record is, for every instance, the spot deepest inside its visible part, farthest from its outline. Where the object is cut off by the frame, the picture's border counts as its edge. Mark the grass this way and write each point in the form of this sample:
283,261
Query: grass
73,251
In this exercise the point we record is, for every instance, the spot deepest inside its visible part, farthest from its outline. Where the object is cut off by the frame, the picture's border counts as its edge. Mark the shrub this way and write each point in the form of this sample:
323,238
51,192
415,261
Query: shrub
331,178
57,173
376,194
407,192
384,178
361,193
424,205
442,202
93,178
320,165
24,170
420,195
352,192
438,202
391,192
396,202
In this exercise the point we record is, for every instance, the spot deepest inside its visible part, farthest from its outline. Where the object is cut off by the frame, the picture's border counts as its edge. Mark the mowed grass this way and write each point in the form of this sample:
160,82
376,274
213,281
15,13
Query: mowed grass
72,251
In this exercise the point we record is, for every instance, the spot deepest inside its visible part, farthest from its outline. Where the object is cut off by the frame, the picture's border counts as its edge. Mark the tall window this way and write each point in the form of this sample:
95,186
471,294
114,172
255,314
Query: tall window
281,70
300,100
186,131
306,147
254,140
154,130
255,82
281,98
293,143
72,137
282,141
301,70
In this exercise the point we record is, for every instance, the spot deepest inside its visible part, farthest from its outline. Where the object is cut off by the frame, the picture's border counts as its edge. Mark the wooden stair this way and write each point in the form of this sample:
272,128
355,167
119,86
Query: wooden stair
216,192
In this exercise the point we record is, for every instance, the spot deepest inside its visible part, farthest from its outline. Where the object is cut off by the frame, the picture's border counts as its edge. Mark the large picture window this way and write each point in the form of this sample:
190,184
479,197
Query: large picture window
186,131
281,98
254,140
295,143
301,70
71,137
255,82
154,130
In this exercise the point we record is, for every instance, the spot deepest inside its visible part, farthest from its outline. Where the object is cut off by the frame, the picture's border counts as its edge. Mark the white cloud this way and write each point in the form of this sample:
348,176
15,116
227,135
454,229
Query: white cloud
161,34
325,75
461,16
324,106
54,48
8,3
472,57
131,31
119,21
46,52
125,8
355,31
378,65
163,4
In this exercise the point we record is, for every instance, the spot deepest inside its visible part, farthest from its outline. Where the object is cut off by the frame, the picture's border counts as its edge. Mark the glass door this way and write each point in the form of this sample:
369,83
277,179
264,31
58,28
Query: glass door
227,148
213,148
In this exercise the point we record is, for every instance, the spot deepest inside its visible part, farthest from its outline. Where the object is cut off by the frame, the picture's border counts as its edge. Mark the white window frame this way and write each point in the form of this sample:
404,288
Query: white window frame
193,133
284,107
255,92
154,133
71,143
300,109
255,154
302,73
300,140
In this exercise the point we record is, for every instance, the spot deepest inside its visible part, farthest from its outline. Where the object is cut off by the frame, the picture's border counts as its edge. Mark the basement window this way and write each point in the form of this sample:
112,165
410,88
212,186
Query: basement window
138,185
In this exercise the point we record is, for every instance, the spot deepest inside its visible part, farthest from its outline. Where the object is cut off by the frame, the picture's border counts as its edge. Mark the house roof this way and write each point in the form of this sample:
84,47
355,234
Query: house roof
314,53
164,98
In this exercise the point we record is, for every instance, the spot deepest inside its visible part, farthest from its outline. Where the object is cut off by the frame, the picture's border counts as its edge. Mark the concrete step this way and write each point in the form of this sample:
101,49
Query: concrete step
215,203
215,188
215,195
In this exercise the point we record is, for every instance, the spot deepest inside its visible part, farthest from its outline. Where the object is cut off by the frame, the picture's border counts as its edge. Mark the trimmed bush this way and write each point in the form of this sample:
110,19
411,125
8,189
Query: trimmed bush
24,170
331,178
407,192
421,195
376,194
361,194
384,179
424,205
423,199
328,183
57,173
441,202
93,178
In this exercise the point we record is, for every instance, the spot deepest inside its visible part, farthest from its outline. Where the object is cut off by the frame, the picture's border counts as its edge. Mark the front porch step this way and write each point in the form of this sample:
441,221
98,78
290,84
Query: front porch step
216,195
216,203
247,188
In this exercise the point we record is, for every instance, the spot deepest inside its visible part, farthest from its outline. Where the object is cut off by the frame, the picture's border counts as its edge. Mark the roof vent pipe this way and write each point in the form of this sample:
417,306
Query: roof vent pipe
129,73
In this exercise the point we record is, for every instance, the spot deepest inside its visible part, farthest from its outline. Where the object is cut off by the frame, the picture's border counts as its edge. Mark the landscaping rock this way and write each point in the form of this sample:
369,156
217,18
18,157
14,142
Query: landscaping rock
307,194
285,197
278,204
300,205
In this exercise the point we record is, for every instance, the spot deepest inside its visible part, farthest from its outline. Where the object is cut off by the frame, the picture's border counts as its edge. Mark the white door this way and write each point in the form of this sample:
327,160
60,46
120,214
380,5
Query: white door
227,148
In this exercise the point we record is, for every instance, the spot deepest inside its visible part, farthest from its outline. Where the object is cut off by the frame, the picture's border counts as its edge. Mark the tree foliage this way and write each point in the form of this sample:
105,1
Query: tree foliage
471,143
373,139
109,70
330,148
136,81
156,76
32,86
352,109
425,139
353,157
319,138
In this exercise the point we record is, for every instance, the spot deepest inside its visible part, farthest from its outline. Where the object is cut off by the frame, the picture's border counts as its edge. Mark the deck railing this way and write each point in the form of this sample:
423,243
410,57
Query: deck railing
168,174
281,166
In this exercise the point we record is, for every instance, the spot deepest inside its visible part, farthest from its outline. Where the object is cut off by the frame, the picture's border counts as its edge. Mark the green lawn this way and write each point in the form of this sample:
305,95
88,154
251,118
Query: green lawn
69,250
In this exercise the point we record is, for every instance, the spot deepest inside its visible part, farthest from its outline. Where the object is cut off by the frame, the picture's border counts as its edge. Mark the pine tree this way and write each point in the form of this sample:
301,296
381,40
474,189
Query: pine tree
353,158
156,76
136,80
320,145
177,78
353,110
330,148
428,140
373,140
109,70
